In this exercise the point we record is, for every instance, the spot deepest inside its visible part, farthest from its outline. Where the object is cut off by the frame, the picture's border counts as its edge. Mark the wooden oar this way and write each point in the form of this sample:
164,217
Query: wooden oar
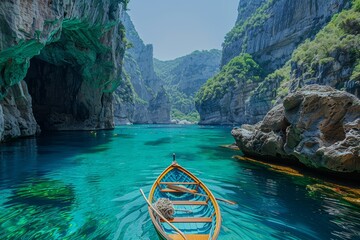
162,217
184,189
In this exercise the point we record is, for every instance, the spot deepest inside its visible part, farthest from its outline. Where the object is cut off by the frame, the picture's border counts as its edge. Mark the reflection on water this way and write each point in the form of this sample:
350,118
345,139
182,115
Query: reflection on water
81,185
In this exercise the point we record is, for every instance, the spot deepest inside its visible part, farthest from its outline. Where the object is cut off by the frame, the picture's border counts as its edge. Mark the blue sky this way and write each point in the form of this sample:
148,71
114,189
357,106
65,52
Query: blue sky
179,27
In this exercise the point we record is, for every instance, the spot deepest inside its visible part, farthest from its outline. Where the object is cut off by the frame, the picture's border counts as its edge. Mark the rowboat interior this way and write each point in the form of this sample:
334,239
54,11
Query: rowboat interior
196,215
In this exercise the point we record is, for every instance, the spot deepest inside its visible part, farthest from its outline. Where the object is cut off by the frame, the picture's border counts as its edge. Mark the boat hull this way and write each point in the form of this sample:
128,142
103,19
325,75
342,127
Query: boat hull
187,192
161,237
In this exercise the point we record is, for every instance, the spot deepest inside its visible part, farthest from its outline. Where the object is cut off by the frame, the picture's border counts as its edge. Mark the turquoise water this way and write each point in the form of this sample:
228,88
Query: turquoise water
85,185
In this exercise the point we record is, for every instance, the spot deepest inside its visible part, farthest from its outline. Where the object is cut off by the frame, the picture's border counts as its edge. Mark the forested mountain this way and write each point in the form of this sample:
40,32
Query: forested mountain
184,76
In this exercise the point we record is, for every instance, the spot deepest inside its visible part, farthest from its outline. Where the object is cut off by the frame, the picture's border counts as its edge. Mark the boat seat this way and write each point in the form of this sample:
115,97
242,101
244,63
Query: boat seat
176,191
189,202
190,220
190,236
183,183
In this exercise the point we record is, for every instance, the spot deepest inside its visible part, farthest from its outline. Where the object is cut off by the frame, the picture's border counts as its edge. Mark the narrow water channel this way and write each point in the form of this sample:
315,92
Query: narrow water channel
73,185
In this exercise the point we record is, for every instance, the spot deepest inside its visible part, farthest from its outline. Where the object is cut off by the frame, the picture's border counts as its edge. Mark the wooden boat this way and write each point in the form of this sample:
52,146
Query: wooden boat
197,213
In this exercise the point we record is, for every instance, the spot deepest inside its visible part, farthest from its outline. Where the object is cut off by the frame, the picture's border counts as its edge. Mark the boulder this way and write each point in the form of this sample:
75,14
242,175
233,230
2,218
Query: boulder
317,126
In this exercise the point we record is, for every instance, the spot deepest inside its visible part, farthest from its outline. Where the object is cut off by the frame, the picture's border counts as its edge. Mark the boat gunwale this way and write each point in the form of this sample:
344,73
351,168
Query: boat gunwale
201,184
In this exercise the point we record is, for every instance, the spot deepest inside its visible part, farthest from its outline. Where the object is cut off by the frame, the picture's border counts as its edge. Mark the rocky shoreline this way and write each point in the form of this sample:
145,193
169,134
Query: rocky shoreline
317,126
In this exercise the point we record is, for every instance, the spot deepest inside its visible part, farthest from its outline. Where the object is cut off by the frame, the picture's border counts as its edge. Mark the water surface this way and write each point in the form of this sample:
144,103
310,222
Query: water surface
85,185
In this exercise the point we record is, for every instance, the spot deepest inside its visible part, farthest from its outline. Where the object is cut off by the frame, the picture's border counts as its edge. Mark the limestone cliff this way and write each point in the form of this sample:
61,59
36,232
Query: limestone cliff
270,30
69,54
222,99
331,58
317,126
184,76
190,72
146,105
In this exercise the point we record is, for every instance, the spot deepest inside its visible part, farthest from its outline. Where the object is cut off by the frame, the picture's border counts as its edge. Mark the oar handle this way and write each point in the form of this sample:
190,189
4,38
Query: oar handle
162,217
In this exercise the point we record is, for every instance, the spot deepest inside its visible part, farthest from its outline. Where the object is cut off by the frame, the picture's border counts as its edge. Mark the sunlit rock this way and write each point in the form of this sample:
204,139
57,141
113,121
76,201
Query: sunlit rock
318,126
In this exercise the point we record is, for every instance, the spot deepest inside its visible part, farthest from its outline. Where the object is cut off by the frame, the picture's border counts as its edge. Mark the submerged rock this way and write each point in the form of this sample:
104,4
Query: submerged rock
43,191
318,126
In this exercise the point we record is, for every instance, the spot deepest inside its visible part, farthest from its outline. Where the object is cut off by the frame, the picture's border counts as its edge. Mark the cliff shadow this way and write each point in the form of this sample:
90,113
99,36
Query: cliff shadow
54,89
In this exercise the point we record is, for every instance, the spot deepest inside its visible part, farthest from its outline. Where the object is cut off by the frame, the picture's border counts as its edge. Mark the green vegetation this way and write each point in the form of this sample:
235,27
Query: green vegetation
45,191
125,3
356,72
180,101
338,41
184,76
125,92
281,76
15,61
191,117
80,45
275,85
256,20
241,69
357,6
178,70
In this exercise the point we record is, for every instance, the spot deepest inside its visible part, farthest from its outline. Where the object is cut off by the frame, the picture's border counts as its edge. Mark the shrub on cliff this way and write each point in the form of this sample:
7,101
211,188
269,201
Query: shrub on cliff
338,41
256,20
240,69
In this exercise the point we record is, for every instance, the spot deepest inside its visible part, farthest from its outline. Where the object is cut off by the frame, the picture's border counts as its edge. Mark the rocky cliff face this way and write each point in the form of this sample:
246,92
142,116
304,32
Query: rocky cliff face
317,126
123,102
222,99
270,30
139,68
190,72
331,59
184,76
69,54
16,114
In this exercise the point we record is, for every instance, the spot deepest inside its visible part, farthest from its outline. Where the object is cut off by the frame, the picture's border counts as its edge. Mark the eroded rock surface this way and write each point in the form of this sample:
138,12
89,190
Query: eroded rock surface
271,30
16,116
318,126
143,103
74,51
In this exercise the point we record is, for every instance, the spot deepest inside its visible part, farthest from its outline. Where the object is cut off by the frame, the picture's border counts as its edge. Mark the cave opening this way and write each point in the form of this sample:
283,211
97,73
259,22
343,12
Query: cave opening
69,80
53,89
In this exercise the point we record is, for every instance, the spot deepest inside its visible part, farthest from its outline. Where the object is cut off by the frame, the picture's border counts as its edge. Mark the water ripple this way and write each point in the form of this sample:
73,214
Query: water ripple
86,186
